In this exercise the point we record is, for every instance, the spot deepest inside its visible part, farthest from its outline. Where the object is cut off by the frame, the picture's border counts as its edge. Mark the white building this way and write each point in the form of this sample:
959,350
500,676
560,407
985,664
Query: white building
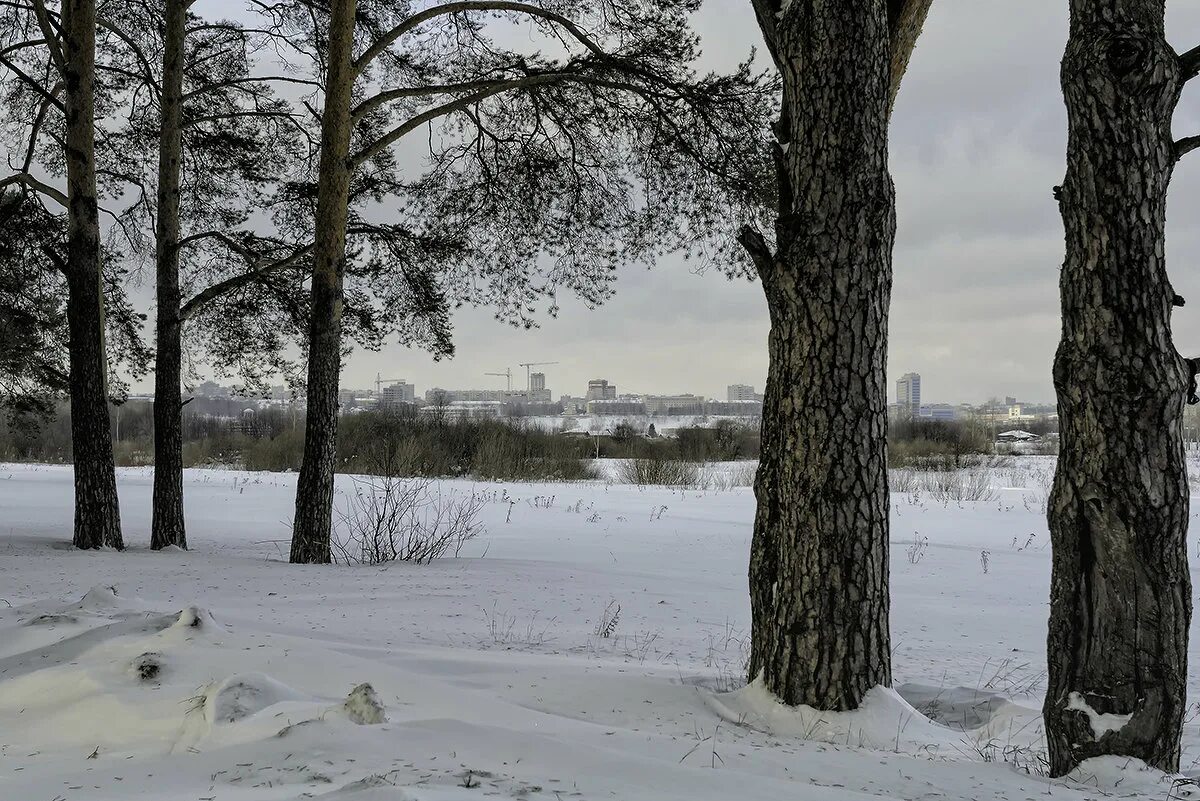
600,389
674,404
464,410
741,392
908,393
399,393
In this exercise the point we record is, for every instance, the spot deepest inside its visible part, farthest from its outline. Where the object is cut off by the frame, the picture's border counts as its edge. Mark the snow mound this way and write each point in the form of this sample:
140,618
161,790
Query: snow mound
105,676
193,617
888,721
240,696
364,707
1127,777
884,721
99,599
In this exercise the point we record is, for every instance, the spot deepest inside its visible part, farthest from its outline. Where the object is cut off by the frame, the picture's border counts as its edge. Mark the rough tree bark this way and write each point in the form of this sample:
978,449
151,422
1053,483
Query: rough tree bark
167,527
312,524
1120,591
819,558
97,513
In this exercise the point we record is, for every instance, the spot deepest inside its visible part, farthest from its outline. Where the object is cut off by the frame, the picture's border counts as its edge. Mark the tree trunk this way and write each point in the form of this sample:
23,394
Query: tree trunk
313,522
97,513
819,558
167,527
1120,602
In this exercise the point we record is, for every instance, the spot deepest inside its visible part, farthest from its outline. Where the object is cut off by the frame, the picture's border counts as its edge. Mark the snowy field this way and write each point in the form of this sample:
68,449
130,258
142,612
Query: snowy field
225,674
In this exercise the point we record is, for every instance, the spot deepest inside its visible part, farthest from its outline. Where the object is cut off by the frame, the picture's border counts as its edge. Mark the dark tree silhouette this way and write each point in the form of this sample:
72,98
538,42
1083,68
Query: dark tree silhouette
1121,599
819,558
48,68
547,167
33,314
205,141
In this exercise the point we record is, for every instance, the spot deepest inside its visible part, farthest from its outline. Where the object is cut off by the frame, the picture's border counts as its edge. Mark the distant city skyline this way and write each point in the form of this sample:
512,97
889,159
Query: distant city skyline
975,151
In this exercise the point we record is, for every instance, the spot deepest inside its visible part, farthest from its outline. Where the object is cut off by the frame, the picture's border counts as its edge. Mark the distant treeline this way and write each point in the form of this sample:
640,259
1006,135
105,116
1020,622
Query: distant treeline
369,442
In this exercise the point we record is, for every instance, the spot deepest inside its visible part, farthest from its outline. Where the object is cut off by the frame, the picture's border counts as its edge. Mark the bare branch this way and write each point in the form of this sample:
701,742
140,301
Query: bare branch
1189,63
421,17
48,32
22,46
1186,145
36,128
418,91
28,180
147,75
33,84
756,246
211,293
491,89
212,87
431,114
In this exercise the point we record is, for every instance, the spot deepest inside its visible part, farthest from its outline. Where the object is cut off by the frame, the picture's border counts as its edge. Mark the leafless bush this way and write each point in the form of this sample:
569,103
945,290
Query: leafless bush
721,478
940,484
1038,500
916,551
390,519
1014,477
658,472
945,486
976,485
903,479
502,629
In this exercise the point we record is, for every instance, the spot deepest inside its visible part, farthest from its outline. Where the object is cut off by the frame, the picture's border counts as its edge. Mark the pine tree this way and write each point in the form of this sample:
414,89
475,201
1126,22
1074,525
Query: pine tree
1121,601
819,557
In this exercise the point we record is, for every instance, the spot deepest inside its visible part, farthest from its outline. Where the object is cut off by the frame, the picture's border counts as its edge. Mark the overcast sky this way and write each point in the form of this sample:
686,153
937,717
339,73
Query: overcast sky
978,141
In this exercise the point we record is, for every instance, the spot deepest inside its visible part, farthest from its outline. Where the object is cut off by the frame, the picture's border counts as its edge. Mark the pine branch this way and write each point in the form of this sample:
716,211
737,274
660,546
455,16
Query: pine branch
416,20
48,32
212,87
1189,63
28,180
757,247
33,84
256,273
1186,145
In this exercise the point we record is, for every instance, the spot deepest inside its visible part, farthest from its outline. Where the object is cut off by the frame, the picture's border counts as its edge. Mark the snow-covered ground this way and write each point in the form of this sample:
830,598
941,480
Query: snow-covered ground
224,674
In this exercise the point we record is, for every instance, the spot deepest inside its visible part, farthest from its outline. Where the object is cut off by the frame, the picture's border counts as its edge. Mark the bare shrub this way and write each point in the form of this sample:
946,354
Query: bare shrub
903,479
722,478
916,551
940,484
945,486
390,519
658,472
1014,477
976,485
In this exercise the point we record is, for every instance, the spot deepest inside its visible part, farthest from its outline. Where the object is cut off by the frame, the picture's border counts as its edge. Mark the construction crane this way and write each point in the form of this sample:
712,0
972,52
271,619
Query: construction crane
379,381
529,375
506,374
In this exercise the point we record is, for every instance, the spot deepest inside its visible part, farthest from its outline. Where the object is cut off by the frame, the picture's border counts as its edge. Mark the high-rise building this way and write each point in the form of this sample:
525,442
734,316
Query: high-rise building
537,381
396,394
908,393
600,389
741,392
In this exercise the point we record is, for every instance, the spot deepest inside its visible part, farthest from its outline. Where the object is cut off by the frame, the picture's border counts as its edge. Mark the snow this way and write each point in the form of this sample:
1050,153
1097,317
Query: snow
1101,722
223,673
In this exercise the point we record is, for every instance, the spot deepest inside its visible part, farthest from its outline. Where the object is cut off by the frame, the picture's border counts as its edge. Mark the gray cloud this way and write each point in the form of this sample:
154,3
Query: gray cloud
977,144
